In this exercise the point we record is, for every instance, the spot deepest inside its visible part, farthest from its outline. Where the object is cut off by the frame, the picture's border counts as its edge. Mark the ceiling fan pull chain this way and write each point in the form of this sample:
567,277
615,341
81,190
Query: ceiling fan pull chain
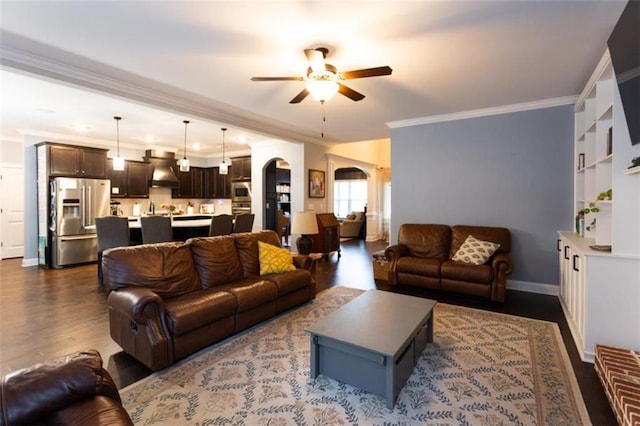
323,120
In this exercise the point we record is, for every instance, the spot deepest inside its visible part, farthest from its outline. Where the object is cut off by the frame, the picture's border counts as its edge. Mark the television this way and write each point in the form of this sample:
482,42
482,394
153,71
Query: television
624,48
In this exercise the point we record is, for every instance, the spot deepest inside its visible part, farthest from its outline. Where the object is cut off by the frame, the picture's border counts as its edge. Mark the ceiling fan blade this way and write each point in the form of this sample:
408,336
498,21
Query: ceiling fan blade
316,60
367,72
299,97
350,93
277,78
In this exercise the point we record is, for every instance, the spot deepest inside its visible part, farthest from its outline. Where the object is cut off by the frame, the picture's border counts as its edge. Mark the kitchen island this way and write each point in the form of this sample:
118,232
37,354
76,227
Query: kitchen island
184,227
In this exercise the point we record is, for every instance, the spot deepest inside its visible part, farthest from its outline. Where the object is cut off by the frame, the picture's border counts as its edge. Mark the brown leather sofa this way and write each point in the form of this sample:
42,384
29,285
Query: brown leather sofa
169,300
423,258
70,390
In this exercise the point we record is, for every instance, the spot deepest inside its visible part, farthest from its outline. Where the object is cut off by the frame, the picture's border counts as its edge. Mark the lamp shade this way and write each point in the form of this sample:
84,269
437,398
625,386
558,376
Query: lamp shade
304,223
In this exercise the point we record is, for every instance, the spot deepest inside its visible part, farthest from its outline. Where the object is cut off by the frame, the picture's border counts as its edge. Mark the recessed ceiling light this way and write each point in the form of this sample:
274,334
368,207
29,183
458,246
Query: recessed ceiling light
196,146
150,139
241,138
80,128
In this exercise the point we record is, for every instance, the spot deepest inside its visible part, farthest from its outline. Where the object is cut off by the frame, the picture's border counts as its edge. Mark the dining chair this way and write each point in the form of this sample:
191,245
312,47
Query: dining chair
243,223
156,229
112,231
221,224
283,228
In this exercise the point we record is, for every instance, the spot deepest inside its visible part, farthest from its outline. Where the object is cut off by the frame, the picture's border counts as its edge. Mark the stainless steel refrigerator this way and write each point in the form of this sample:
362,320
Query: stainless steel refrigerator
68,231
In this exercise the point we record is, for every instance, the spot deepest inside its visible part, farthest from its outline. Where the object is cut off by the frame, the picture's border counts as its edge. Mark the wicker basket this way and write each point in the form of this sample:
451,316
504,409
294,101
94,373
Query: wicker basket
381,269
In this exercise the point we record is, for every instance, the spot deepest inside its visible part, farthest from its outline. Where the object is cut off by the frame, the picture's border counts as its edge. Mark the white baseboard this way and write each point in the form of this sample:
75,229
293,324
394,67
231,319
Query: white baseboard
532,287
29,262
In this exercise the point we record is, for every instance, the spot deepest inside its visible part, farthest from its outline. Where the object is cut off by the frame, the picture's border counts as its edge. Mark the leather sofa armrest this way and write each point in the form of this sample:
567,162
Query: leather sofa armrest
302,261
502,266
393,253
133,302
34,392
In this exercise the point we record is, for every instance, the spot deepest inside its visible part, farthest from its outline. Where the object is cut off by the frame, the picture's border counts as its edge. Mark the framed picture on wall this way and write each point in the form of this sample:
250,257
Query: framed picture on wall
316,183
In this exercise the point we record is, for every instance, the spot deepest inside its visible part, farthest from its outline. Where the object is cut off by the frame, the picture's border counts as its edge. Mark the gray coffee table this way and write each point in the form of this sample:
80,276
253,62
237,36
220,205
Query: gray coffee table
373,342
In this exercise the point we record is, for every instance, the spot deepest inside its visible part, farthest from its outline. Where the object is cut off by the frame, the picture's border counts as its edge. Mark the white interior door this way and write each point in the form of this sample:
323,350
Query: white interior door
12,212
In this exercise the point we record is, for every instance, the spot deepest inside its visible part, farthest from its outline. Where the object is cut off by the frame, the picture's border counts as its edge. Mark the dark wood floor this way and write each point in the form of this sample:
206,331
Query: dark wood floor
50,313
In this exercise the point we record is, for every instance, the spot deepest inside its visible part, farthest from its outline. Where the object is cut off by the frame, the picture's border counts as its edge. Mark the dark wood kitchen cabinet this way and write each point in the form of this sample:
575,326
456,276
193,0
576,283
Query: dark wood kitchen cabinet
197,179
240,168
138,179
191,184
76,161
215,184
132,182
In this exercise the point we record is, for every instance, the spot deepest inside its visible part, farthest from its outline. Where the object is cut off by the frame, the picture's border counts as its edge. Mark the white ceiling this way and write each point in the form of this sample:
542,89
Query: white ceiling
158,63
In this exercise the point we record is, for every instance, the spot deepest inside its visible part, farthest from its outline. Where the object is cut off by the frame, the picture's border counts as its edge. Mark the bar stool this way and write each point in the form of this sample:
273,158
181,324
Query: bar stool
244,223
112,231
221,224
156,229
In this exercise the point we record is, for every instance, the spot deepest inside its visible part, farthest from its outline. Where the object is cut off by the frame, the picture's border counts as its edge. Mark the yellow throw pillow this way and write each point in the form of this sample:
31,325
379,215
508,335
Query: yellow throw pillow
274,259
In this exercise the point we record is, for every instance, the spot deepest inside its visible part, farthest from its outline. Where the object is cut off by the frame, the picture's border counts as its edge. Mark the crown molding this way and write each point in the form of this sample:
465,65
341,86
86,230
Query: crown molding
66,68
485,112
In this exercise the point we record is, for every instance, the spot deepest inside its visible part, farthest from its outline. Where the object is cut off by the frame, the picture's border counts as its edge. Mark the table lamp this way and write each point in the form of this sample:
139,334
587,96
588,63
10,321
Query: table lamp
304,223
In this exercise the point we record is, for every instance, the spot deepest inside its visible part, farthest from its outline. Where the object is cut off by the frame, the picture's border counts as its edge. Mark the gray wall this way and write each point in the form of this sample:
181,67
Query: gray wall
512,170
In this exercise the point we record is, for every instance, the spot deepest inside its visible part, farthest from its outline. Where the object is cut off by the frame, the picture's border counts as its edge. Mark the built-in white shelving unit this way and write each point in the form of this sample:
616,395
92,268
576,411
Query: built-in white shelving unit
600,266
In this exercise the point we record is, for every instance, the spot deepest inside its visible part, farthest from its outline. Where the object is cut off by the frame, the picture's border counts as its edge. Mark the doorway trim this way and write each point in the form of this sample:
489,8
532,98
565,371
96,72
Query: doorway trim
374,191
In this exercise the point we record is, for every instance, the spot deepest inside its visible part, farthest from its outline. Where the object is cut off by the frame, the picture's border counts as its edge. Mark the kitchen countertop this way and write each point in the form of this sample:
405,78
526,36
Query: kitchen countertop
179,221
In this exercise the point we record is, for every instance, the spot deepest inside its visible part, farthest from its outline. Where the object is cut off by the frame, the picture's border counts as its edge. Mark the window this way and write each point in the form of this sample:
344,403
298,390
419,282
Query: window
349,196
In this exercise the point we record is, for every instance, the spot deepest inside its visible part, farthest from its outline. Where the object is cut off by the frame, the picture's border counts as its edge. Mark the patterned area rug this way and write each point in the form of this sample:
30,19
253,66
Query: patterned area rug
483,368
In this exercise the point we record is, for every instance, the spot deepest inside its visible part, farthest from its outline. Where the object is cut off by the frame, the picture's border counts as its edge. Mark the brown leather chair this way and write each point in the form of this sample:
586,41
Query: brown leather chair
71,390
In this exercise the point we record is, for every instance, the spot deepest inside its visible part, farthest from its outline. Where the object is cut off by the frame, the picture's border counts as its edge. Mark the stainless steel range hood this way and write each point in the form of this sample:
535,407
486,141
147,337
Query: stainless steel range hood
162,163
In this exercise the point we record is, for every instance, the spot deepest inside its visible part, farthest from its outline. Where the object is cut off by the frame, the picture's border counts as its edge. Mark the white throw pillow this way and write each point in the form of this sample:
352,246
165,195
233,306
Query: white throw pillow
474,251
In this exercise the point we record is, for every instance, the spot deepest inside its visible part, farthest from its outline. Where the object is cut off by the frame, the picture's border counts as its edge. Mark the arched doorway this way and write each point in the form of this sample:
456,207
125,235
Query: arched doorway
277,196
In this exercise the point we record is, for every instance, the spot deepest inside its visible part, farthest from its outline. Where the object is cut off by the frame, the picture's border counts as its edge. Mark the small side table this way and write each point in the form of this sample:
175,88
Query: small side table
315,257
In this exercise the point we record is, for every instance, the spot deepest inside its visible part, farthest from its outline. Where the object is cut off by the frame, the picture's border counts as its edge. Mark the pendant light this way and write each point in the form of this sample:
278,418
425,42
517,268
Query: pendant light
118,161
184,163
224,167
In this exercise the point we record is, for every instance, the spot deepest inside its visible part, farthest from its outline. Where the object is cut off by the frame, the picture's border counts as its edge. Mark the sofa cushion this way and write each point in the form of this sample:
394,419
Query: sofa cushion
351,216
457,271
247,246
198,309
474,251
289,282
167,269
33,392
419,266
274,260
254,295
426,240
216,260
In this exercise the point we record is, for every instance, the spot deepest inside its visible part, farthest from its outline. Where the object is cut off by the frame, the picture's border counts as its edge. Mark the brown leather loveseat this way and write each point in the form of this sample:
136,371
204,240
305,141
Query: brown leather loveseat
424,257
169,300
70,390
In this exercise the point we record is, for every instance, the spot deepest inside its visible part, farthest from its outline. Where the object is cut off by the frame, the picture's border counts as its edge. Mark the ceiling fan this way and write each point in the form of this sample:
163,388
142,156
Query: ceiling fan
323,80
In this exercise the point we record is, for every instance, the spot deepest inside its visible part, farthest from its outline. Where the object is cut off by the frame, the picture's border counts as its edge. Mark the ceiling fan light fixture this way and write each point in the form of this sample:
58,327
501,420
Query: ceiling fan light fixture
223,168
322,90
184,162
118,161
